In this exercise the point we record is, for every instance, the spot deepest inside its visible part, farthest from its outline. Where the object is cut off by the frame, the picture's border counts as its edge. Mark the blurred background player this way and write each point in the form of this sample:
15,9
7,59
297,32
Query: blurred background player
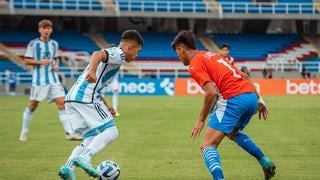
115,94
42,54
224,52
90,114
11,82
235,98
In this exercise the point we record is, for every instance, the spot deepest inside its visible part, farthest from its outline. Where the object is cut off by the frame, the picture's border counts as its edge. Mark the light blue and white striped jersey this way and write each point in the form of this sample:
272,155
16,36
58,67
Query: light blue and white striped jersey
83,91
39,50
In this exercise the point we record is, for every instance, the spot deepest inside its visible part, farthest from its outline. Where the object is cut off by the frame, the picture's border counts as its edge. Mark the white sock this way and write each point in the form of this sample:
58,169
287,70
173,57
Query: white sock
100,141
27,116
65,121
77,151
115,101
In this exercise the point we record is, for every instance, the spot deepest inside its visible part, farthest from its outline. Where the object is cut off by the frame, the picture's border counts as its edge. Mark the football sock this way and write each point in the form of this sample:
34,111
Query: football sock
27,116
247,144
100,141
115,101
212,160
65,121
77,151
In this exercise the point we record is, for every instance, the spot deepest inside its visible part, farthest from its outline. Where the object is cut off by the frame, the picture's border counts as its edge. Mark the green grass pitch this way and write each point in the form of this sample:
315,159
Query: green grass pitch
154,141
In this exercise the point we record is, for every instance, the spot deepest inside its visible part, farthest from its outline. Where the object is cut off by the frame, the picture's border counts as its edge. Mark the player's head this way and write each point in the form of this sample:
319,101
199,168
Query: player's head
183,44
131,43
224,50
45,28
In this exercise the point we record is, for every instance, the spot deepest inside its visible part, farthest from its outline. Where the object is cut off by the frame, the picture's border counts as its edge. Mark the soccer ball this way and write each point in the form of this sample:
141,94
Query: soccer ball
108,170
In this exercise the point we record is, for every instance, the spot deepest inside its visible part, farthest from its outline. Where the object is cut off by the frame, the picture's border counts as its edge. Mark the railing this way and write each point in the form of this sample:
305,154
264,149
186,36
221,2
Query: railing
26,78
269,8
92,5
169,6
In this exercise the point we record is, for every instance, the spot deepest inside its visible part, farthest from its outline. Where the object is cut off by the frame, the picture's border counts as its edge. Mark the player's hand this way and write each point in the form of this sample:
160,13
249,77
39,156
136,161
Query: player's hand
91,77
262,109
197,129
112,111
46,62
56,68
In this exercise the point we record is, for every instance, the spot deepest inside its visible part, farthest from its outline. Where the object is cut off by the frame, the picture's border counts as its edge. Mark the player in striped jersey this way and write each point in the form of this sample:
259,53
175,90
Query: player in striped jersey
42,54
90,114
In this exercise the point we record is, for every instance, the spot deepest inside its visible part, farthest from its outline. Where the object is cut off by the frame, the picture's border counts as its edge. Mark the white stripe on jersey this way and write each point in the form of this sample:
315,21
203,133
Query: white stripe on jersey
83,91
38,50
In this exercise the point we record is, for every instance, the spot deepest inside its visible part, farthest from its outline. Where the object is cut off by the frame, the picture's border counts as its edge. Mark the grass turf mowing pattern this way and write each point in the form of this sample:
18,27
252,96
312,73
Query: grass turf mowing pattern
154,141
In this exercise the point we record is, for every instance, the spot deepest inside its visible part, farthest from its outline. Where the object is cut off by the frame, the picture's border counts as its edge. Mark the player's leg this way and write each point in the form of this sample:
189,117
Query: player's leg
115,96
97,144
37,94
245,142
78,123
57,94
26,119
66,171
65,120
115,99
209,146
102,130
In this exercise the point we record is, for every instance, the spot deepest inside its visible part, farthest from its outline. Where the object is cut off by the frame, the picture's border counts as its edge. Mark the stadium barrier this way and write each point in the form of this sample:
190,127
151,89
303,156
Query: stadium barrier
146,86
187,86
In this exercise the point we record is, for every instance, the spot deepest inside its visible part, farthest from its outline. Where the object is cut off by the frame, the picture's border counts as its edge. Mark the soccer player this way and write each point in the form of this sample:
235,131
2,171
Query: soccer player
235,100
115,94
90,114
224,52
42,54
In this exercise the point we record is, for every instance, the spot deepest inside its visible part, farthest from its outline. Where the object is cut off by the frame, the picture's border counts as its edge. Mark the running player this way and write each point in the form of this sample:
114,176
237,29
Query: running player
90,115
42,54
235,100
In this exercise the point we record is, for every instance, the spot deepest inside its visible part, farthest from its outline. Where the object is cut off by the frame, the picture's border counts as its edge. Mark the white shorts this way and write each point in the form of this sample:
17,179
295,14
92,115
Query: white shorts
51,92
85,117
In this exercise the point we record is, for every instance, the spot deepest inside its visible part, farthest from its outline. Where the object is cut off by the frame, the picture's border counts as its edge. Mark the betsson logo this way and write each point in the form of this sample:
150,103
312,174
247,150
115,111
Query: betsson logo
193,87
302,88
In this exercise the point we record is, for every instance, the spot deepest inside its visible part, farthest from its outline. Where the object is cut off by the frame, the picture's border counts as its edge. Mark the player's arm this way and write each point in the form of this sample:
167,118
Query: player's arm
210,98
56,64
33,62
262,108
110,108
96,58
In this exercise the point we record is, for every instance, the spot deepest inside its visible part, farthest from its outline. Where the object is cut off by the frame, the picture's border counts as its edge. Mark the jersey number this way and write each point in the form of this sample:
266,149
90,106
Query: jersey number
221,61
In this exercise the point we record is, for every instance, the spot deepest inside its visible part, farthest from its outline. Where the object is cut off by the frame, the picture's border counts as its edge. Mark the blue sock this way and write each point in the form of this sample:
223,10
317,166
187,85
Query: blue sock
247,144
212,160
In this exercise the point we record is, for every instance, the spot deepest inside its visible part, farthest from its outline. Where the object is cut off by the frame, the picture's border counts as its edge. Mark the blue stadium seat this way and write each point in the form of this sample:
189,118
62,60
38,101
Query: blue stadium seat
255,47
69,40
156,45
8,65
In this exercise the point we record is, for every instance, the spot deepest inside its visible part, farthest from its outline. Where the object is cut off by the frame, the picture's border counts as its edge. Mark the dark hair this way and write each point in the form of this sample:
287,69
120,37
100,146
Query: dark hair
132,35
225,46
184,37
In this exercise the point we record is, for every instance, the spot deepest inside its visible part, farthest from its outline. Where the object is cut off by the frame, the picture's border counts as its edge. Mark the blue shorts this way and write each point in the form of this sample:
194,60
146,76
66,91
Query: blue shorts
233,113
